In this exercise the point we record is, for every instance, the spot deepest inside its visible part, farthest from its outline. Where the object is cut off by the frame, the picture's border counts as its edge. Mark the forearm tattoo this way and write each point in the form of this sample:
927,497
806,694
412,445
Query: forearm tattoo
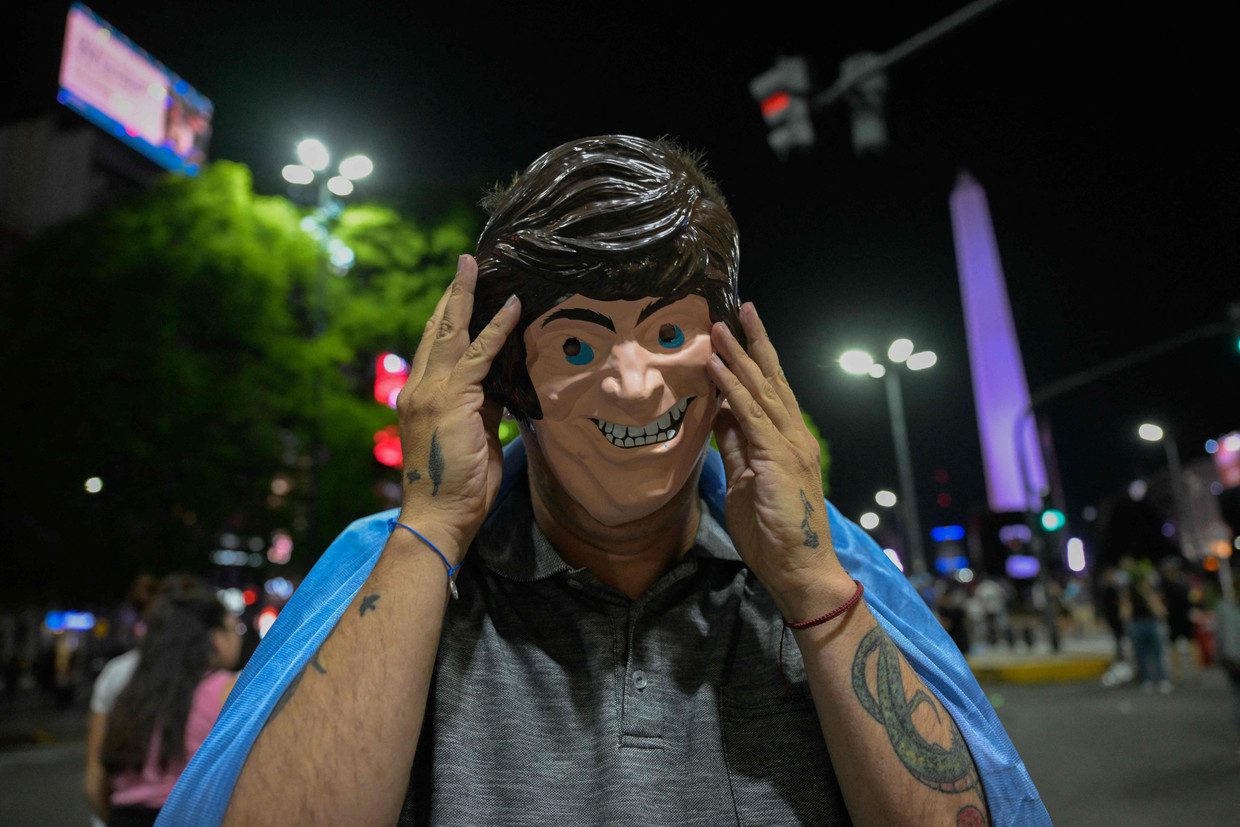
811,536
413,476
287,696
434,463
367,605
946,769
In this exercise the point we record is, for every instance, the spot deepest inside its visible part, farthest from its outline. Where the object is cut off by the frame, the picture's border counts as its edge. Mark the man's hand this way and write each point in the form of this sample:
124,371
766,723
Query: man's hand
897,752
448,427
339,744
774,504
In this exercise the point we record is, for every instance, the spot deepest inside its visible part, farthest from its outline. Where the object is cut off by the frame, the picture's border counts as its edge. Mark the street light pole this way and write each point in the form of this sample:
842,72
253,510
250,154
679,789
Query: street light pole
1186,524
860,363
314,158
904,466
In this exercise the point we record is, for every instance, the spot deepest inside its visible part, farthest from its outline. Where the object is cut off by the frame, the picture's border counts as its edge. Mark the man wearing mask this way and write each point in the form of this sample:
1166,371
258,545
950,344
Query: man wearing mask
615,653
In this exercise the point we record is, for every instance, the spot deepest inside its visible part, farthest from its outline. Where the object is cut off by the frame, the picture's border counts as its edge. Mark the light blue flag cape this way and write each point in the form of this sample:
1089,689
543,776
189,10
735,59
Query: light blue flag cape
202,794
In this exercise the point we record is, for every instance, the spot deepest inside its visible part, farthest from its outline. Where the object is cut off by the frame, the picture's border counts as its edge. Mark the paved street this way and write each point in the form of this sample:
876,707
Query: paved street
1116,756
1099,756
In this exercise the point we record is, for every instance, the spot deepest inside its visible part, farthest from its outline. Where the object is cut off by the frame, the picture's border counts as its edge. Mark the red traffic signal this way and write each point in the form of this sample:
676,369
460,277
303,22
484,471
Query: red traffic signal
782,93
387,446
391,371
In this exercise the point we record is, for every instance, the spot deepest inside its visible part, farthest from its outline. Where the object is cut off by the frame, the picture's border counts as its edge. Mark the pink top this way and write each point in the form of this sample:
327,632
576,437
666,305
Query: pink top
150,788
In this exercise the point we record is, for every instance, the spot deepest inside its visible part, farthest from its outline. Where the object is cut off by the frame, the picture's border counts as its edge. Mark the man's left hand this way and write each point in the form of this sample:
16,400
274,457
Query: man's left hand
774,506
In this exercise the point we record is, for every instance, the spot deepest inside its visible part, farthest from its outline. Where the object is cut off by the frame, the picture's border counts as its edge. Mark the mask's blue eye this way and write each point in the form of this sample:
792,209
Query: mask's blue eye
670,336
577,352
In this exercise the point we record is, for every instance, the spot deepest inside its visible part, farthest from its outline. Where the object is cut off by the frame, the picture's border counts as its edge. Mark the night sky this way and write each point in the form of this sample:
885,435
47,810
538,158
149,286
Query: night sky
1109,148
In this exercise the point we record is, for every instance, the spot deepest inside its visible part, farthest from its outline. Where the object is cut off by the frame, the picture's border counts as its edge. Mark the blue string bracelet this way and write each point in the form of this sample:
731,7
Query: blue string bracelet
452,570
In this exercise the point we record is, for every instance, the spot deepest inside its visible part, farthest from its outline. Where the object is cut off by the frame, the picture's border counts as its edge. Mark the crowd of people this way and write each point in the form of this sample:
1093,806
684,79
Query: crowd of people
158,670
152,705
1155,615
1162,618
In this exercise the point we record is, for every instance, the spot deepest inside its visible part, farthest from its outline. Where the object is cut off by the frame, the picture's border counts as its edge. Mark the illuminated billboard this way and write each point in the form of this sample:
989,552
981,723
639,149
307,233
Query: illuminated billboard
124,91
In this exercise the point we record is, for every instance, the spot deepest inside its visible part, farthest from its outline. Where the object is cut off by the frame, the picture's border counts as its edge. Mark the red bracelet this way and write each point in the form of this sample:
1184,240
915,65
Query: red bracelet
805,624
834,613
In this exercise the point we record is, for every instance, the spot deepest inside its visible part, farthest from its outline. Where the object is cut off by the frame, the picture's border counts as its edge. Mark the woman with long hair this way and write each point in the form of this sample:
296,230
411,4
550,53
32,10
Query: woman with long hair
176,692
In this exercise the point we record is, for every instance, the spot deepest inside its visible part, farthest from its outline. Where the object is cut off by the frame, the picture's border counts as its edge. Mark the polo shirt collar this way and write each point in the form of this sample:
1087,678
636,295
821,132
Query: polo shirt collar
511,544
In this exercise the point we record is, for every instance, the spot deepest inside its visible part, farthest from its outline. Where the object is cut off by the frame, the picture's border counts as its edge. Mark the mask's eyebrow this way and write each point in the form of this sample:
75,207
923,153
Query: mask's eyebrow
655,306
581,314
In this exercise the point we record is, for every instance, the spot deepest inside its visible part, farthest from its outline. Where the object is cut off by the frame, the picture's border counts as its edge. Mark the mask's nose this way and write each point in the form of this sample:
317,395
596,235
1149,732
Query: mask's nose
634,378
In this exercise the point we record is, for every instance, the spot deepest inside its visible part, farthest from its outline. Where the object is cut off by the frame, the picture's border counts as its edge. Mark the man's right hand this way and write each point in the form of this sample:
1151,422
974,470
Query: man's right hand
339,744
449,429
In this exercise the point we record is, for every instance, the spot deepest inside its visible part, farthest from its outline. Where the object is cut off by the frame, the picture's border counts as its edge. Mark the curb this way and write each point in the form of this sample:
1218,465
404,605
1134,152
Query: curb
1051,669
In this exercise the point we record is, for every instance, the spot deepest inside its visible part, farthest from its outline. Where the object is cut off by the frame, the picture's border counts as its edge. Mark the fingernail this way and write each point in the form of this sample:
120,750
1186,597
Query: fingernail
460,261
511,301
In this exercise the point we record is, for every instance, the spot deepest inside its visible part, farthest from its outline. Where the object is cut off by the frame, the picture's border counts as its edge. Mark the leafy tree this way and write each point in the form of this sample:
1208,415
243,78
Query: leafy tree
169,346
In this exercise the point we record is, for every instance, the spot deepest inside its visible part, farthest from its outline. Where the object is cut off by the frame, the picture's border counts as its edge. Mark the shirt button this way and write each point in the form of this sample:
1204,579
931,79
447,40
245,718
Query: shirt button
639,679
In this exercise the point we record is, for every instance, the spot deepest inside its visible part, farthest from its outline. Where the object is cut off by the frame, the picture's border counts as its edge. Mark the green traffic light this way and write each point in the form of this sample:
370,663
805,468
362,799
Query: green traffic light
1052,519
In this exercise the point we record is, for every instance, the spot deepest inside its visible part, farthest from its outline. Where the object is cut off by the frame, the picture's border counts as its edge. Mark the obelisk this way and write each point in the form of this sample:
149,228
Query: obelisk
1000,391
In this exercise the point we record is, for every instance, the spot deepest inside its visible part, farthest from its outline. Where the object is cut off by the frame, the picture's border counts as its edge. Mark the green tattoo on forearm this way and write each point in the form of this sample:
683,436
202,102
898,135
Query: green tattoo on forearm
946,769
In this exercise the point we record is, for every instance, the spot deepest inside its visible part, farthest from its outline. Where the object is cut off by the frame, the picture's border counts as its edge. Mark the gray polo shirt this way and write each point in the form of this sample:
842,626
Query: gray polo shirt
558,700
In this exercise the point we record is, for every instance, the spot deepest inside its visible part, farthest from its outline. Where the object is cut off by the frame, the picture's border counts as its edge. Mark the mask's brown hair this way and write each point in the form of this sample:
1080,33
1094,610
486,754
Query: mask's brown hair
611,217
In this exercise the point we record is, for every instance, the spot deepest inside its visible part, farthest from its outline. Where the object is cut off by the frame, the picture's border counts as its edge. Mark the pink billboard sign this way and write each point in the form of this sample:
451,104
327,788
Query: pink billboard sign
112,82
107,74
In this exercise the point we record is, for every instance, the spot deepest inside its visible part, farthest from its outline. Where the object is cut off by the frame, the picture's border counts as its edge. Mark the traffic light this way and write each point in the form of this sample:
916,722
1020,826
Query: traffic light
1053,519
391,371
867,101
387,446
782,92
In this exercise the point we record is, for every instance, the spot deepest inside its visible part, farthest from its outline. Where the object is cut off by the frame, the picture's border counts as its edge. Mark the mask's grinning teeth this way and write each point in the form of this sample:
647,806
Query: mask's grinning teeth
635,436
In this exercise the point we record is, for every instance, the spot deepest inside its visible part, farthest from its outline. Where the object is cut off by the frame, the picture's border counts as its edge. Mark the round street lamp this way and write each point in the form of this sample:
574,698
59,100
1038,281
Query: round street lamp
1150,432
313,153
314,158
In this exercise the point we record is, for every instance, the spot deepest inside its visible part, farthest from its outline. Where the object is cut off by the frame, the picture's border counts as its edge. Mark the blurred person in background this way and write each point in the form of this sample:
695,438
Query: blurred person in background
1110,598
1180,609
128,624
114,677
993,600
183,674
954,615
1079,610
1145,613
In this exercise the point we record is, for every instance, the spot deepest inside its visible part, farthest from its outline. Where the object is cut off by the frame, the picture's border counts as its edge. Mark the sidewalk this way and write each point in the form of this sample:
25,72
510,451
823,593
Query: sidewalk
30,720
1078,659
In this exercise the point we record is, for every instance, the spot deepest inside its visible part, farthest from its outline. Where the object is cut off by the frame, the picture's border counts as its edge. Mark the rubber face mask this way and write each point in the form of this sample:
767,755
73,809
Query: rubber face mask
626,401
